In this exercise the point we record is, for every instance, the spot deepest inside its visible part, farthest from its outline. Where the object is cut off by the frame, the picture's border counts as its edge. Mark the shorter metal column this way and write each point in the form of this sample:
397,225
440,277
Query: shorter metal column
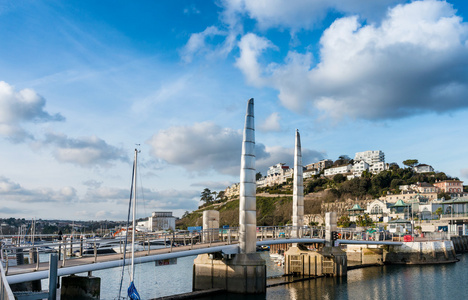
53,265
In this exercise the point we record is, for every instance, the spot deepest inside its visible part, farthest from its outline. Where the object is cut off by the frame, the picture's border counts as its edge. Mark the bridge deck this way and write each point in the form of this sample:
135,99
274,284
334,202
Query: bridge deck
72,262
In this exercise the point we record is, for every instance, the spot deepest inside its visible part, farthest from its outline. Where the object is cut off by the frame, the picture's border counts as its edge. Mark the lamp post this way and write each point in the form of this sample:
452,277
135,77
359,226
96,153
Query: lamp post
412,220
451,218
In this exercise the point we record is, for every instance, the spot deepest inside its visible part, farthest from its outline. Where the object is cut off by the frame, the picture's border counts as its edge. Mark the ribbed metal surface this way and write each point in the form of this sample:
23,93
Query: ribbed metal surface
298,190
247,203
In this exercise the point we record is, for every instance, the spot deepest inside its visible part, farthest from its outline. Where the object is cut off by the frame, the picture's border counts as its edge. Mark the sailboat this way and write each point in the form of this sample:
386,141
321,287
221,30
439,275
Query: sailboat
131,291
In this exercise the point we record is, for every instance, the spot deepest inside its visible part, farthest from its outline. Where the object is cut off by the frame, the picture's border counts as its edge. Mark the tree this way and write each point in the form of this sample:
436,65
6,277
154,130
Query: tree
438,211
221,196
393,166
344,221
339,178
410,162
206,196
342,160
444,195
364,221
258,176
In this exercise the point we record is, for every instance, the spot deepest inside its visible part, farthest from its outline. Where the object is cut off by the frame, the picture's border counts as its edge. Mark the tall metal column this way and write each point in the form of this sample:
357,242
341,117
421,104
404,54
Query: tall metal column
298,189
247,203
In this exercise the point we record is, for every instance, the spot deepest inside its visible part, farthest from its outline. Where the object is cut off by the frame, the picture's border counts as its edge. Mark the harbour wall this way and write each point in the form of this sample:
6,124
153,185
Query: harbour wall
460,243
428,252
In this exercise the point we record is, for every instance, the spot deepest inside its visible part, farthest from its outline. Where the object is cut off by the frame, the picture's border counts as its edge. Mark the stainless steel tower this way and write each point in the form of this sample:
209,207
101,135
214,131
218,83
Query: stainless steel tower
247,203
298,190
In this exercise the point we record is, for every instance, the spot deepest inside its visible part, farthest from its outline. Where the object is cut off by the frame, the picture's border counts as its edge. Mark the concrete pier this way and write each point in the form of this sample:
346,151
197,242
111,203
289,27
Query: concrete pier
329,260
245,272
431,252
210,226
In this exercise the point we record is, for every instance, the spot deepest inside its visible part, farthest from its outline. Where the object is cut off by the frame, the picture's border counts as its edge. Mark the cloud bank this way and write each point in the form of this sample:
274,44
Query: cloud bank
206,146
12,191
85,151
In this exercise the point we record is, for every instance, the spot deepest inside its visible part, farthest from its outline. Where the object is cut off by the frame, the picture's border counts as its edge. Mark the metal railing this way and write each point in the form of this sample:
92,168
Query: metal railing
5,290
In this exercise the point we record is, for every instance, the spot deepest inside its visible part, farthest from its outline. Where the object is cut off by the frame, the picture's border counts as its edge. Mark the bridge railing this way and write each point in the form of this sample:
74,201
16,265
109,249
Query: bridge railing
5,290
454,216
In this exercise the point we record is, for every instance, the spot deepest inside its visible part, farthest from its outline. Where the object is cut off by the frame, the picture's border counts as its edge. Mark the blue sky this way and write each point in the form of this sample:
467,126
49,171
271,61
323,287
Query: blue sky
82,82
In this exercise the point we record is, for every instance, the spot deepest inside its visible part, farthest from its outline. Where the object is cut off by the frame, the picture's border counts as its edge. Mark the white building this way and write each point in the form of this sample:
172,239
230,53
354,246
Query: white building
370,157
310,173
359,167
159,220
338,170
423,168
377,167
232,190
277,169
276,174
325,163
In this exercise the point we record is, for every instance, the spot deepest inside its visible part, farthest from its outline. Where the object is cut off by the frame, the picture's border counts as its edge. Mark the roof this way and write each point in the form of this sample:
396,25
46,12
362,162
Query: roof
400,203
451,180
356,207
455,201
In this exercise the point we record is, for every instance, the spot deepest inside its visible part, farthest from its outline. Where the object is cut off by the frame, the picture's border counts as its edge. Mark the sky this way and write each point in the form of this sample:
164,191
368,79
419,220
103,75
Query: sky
84,83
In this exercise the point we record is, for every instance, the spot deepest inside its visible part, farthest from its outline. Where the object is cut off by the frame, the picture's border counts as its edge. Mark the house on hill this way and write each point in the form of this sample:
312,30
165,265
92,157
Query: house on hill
423,168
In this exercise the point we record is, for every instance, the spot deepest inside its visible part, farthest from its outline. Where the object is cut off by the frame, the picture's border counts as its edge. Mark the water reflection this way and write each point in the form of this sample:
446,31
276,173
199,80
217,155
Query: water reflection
387,282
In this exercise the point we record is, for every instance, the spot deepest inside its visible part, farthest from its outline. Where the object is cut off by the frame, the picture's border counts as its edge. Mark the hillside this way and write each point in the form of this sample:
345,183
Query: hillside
274,204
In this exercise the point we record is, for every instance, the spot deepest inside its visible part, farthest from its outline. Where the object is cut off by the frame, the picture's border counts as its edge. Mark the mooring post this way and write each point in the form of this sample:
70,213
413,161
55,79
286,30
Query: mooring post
37,258
53,266
64,253
95,252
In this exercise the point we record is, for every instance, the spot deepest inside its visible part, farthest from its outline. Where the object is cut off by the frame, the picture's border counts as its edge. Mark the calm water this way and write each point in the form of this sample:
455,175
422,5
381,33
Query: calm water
448,281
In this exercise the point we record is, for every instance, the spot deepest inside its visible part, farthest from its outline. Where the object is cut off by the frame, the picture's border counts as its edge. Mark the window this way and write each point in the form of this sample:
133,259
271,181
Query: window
376,209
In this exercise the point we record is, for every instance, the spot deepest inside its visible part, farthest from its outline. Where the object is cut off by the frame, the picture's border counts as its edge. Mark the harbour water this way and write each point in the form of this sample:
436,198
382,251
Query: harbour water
444,281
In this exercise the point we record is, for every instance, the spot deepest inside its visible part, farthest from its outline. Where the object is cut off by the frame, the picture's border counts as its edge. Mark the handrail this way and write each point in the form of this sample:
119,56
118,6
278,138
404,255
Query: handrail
5,290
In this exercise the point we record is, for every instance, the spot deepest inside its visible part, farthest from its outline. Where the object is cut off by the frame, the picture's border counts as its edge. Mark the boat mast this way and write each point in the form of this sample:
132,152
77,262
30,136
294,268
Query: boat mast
133,216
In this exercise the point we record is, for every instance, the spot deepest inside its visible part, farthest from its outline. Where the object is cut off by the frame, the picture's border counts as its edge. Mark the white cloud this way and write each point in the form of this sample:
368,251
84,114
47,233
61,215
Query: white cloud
12,191
199,148
214,185
294,15
272,123
18,108
92,183
85,151
414,62
251,46
199,44
300,14
206,146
